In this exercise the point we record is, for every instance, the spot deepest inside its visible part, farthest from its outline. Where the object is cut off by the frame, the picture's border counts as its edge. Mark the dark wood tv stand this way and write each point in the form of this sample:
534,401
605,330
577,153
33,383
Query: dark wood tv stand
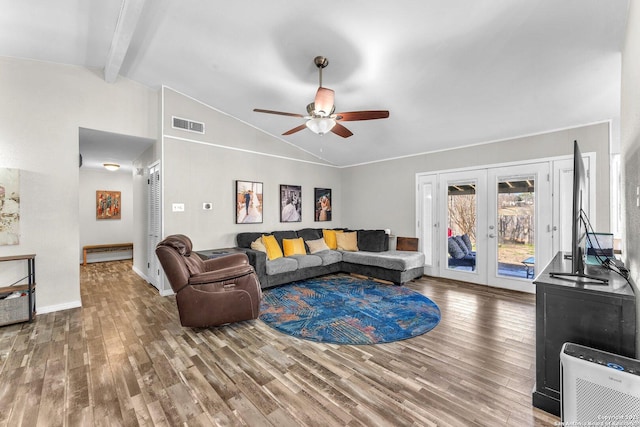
597,316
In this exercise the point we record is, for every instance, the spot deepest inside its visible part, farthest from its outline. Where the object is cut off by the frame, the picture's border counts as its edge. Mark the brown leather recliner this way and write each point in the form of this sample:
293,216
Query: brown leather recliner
209,292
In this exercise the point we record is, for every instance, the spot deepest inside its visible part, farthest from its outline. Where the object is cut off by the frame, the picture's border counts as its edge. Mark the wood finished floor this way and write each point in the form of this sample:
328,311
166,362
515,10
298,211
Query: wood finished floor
124,359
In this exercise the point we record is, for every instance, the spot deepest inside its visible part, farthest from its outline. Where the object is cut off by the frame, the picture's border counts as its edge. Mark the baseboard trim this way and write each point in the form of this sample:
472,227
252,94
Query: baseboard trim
59,307
146,279
141,274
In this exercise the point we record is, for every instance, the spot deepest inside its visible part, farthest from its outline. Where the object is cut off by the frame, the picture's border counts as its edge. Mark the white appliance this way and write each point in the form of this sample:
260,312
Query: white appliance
598,388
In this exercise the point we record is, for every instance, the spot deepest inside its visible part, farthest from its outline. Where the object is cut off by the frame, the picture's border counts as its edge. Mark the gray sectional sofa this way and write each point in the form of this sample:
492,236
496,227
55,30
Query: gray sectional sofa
373,258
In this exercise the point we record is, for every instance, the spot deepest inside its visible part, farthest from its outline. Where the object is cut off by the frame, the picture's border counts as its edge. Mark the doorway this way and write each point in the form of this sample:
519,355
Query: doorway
489,226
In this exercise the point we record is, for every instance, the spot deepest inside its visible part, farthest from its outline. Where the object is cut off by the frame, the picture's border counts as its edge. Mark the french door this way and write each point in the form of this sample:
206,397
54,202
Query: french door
519,227
463,234
487,226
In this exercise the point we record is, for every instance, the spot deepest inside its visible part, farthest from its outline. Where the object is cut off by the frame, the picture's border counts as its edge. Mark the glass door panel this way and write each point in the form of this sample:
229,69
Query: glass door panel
463,235
461,225
516,226
519,227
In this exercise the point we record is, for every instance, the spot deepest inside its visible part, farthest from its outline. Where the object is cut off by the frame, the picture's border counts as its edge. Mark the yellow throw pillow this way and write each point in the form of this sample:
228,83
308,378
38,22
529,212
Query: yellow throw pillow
273,248
347,241
330,238
293,247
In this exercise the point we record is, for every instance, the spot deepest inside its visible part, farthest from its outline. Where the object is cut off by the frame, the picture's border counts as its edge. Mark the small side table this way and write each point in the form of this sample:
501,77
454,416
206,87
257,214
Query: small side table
529,264
215,253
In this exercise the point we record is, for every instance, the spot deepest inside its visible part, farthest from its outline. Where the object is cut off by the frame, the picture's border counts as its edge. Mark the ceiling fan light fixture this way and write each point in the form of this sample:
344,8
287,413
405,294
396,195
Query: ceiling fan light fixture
111,166
323,103
321,125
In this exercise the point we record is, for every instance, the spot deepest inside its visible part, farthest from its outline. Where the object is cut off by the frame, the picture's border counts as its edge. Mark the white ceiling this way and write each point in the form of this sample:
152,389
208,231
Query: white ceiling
99,147
451,73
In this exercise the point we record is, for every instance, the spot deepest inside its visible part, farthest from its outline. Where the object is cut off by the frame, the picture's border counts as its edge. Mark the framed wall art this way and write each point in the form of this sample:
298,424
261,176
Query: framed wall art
248,202
290,203
108,204
9,206
322,198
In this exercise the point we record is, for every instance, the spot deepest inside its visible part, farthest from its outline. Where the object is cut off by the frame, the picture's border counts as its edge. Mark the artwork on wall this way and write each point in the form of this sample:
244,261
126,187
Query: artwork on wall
322,197
248,202
108,204
290,203
9,206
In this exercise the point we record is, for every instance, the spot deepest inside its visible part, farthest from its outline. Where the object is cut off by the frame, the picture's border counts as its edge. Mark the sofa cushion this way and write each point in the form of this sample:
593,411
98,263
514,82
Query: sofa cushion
273,248
467,242
281,265
293,247
305,261
316,245
454,249
373,240
329,256
244,239
461,244
347,241
391,260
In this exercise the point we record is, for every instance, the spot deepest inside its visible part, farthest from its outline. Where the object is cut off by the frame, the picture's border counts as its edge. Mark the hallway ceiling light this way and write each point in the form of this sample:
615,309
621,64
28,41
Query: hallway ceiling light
111,166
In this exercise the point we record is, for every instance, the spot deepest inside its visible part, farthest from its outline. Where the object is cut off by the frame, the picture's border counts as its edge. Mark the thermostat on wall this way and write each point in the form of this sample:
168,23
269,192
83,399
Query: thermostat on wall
207,206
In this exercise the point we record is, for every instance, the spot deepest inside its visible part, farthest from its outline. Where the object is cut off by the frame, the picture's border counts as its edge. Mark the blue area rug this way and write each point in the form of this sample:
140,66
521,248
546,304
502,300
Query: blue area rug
347,310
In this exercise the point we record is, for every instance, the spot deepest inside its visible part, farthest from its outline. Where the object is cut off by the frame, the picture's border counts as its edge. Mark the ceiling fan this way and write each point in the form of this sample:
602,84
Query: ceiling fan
321,117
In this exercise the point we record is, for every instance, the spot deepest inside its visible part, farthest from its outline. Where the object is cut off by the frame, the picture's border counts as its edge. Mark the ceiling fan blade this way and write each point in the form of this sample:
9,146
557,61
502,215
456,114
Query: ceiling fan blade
362,115
295,129
324,101
281,113
338,129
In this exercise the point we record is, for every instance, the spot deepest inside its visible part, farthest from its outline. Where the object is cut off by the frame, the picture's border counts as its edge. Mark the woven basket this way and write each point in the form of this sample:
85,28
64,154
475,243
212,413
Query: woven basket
14,310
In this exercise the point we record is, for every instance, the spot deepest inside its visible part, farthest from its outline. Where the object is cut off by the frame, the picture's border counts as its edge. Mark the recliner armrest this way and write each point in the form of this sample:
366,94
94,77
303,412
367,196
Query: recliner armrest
225,261
227,273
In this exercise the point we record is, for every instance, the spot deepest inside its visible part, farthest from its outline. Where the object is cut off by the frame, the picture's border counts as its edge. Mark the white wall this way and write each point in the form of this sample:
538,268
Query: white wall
101,231
630,151
41,109
383,195
203,168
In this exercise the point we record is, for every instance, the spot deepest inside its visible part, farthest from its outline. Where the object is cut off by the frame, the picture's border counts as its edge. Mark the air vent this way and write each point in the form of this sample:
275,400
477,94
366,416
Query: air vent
189,125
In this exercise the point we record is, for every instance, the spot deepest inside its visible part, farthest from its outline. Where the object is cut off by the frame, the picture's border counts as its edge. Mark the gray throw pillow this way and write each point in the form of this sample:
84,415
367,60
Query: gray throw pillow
461,244
454,249
467,242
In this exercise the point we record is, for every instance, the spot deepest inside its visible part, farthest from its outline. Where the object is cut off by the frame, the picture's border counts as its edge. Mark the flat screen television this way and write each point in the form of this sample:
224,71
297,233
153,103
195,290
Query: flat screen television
579,229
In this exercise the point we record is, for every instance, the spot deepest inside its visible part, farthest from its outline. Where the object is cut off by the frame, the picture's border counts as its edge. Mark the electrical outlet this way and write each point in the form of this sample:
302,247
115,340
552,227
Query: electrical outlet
178,207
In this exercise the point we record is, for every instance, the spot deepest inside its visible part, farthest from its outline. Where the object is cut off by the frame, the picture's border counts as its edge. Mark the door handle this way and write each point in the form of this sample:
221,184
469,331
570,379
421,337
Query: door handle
491,235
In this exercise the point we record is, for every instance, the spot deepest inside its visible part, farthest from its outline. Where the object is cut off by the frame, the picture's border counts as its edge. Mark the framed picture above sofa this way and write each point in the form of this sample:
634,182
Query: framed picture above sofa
290,203
248,202
322,199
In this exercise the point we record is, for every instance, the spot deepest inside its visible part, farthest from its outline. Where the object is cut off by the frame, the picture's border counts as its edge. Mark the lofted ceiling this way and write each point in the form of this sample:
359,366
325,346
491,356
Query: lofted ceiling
452,73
